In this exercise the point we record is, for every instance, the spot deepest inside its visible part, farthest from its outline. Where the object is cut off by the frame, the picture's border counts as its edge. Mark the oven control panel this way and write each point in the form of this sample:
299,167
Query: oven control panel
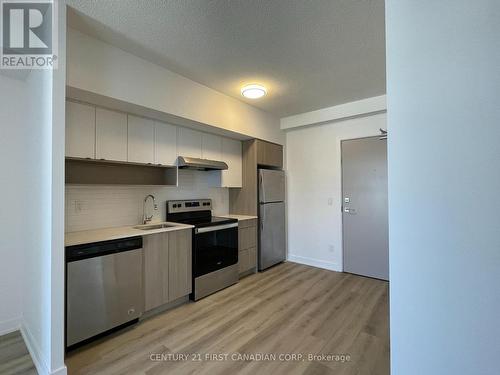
189,205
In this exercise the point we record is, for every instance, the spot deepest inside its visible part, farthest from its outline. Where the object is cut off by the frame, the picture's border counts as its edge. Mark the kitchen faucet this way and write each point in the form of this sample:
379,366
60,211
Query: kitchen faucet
147,219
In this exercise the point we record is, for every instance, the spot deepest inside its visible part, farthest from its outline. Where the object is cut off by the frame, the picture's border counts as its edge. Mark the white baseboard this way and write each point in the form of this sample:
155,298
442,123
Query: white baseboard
34,350
36,355
11,325
60,371
315,262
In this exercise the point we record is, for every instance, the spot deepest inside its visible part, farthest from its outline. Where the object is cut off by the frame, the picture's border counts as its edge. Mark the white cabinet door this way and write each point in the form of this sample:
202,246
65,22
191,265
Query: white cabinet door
111,135
189,143
165,144
231,154
141,140
80,130
211,147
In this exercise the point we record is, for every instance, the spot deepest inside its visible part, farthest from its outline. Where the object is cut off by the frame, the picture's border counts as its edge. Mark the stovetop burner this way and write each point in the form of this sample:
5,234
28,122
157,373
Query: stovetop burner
195,212
204,222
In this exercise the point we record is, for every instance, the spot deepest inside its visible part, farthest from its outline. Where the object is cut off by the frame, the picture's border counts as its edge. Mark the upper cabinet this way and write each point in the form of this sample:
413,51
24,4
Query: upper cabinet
189,143
111,135
255,153
269,154
80,130
141,140
165,144
231,154
98,133
211,147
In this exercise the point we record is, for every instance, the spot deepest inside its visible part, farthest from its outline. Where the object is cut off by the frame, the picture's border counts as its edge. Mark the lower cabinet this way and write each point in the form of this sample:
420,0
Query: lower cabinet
167,267
247,256
179,264
247,260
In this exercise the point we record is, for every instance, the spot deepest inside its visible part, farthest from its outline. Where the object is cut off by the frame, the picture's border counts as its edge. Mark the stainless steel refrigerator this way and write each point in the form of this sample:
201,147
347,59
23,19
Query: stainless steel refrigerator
272,241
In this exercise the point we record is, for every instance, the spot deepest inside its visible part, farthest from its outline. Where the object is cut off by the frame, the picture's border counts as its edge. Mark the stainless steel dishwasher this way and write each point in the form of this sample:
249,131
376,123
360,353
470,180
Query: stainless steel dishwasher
104,289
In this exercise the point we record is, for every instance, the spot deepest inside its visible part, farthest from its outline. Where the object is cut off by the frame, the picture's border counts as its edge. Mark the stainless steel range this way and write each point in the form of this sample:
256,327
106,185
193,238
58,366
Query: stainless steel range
215,245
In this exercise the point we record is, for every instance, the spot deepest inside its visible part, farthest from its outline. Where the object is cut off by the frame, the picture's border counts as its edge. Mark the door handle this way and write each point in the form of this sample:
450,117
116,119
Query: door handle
262,218
215,228
261,190
348,210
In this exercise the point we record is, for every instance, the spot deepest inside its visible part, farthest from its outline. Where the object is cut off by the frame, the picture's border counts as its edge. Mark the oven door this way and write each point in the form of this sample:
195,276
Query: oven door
215,248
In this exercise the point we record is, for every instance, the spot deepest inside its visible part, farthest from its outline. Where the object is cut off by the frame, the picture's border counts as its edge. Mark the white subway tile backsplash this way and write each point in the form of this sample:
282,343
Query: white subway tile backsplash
92,206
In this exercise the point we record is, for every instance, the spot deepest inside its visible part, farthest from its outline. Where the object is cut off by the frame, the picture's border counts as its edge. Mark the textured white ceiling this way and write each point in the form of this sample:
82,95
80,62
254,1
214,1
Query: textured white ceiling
310,54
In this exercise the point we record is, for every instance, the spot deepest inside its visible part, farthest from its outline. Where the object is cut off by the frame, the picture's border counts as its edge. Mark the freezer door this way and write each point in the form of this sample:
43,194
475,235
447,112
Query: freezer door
271,186
272,245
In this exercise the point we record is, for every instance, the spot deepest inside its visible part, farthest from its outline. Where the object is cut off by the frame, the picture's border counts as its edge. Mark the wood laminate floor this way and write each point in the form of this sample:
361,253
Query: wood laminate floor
290,308
14,356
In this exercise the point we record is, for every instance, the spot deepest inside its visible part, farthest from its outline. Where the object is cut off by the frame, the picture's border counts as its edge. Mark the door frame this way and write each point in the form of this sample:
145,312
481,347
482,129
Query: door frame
339,141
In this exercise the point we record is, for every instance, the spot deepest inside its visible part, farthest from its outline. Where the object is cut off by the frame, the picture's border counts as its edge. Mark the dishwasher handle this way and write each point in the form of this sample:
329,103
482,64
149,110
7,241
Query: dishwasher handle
97,249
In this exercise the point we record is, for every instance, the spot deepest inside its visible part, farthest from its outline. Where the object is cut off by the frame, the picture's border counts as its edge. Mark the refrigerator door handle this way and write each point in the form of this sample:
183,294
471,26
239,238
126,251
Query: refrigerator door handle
262,219
262,194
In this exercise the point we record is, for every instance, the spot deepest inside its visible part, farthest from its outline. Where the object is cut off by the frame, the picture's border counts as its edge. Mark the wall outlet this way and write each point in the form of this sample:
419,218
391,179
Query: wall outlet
330,201
80,206
331,249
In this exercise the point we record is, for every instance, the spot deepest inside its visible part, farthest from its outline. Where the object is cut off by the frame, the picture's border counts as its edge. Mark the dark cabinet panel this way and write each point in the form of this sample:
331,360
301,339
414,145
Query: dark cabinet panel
269,154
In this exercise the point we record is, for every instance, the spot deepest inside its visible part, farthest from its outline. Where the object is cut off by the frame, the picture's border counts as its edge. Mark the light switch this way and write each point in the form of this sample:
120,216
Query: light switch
347,200
330,201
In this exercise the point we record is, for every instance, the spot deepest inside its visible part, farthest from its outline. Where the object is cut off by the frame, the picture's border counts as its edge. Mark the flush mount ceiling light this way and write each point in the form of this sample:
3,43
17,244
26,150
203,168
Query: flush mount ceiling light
253,91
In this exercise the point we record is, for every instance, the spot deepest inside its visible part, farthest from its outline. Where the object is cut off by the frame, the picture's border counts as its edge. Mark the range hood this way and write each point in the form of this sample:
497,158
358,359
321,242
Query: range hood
185,162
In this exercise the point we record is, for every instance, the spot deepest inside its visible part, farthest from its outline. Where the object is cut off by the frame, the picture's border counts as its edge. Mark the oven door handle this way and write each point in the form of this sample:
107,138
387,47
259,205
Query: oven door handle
217,227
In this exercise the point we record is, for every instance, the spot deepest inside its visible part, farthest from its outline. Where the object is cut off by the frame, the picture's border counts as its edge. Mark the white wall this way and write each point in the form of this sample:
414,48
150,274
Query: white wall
314,178
443,60
57,262
341,112
107,70
92,207
25,218
37,172
31,251
43,223
17,195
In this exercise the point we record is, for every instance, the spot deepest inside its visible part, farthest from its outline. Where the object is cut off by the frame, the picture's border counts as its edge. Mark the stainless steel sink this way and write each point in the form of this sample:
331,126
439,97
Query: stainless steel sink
154,226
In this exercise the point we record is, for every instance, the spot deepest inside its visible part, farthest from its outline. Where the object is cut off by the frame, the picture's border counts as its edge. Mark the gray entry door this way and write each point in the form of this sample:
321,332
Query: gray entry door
364,207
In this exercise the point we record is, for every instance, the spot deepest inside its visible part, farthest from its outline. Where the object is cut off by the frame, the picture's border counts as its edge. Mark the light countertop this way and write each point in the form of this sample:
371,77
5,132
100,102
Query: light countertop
115,233
106,234
240,217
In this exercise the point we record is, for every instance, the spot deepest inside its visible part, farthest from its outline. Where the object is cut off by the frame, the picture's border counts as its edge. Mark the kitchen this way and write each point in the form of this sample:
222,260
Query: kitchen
125,154
180,214
213,187
166,211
